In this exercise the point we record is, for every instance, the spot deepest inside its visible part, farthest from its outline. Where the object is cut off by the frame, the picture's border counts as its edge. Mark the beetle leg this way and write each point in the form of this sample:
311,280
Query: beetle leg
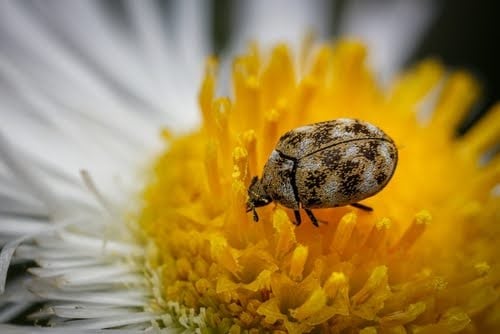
311,216
255,215
361,206
297,217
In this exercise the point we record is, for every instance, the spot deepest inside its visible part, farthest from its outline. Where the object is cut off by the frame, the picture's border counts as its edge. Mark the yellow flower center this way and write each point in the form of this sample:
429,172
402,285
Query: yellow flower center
425,260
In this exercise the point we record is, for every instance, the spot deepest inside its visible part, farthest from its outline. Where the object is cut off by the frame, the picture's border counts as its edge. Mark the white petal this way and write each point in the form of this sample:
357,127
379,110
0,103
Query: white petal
271,21
22,226
111,321
9,249
117,298
391,29
162,59
84,311
11,329
11,311
104,45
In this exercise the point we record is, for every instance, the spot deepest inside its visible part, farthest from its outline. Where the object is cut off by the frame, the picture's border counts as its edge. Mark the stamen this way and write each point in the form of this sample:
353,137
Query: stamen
459,93
378,235
483,135
207,93
313,304
246,91
335,283
299,258
414,85
212,169
285,233
370,299
248,140
404,316
277,79
420,222
343,233
222,109
240,165
270,132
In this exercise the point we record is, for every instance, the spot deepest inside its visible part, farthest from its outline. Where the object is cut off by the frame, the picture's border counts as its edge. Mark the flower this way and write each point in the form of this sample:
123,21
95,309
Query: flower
425,260
183,255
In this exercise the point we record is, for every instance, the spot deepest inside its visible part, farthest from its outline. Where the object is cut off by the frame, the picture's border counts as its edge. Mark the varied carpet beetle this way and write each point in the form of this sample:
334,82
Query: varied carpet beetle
325,165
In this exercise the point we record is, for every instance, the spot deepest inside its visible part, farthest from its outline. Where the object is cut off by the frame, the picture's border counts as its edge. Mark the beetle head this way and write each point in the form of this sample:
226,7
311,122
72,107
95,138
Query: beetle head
256,197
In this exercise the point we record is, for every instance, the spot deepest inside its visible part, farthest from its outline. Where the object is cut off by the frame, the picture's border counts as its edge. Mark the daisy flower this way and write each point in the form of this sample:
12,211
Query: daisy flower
122,210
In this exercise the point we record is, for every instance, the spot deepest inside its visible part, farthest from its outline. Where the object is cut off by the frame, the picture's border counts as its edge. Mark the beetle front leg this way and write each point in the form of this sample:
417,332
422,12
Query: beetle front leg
255,215
312,217
298,220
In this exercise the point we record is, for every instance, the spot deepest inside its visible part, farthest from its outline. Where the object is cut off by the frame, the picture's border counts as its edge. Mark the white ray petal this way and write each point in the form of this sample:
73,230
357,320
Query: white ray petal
84,311
10,311
271,21
68,263
76,125
119,298
158,48
109,247
23,172
22,226
190,27
12,329
90,283
104,44
391,29
37,41
9,249
112,321
55,69
16,292
5,257
13,203
40,253
82,274
190,33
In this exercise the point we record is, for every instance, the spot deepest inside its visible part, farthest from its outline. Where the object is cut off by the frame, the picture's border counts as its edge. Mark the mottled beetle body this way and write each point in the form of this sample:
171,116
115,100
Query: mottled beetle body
324,165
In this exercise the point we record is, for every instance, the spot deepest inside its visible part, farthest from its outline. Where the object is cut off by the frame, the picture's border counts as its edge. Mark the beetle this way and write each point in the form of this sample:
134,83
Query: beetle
325,165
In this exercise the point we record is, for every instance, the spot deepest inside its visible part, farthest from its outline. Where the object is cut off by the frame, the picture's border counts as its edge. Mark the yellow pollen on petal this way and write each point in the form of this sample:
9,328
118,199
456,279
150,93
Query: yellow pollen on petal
334,283
425,260
315,302
420,222
285,233
370,299
482,268
344,231
299,257
484,135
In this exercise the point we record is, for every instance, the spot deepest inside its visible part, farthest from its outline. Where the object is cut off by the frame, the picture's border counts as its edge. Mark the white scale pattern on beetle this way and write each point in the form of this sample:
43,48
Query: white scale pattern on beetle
340,133
352,151
304,128
331,188
369,181
304,145
383,150
373,129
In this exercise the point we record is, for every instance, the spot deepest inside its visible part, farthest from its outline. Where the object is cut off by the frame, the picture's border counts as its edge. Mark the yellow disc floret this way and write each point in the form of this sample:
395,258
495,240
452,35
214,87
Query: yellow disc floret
424,261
